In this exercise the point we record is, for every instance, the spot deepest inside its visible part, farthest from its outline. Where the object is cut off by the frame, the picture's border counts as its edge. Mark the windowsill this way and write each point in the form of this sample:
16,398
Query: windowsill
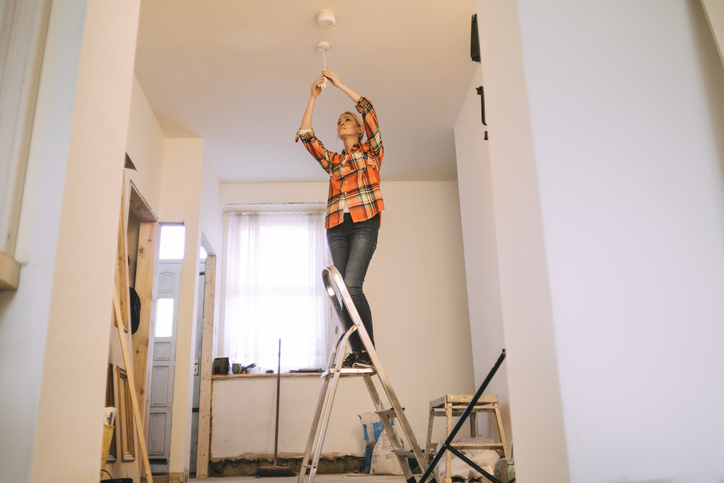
223,377
9,272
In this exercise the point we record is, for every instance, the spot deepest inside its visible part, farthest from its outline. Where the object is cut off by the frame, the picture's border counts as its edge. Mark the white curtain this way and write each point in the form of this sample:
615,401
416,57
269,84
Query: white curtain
274,290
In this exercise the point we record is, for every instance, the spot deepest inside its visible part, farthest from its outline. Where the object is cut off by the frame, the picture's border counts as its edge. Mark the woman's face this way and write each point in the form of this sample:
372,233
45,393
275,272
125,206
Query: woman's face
347,126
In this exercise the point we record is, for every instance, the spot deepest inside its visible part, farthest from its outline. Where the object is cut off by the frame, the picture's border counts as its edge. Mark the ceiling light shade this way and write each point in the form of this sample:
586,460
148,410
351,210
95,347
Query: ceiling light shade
326,19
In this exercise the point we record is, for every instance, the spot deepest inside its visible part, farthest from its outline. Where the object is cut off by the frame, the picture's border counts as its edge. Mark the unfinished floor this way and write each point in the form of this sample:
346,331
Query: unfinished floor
340,478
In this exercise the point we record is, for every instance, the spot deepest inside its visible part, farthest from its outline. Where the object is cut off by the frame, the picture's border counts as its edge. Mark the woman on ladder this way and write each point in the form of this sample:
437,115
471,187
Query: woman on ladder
355,202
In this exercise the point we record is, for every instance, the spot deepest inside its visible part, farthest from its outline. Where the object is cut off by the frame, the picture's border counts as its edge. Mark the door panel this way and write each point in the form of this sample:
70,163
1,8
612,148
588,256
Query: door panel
156,433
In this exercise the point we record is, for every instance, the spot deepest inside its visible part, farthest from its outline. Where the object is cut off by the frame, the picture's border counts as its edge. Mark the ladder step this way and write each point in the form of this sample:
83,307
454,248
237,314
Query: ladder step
405,452
387,413
477,445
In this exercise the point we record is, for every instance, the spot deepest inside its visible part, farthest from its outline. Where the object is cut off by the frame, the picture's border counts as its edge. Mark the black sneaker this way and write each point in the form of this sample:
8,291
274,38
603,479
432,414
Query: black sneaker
362,360
349,360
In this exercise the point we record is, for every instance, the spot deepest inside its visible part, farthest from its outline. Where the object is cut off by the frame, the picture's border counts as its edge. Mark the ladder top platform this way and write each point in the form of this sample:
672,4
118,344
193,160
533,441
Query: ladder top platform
463,399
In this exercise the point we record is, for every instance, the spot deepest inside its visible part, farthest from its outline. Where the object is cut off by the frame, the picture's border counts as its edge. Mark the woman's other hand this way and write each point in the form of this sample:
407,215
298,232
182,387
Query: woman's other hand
316,90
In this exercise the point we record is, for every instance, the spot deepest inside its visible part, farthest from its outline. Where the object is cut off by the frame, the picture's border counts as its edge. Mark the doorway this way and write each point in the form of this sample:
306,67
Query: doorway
171,251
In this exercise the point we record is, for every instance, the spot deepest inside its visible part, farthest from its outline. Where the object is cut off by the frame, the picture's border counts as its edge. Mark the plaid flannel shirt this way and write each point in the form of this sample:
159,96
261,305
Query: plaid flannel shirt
354,178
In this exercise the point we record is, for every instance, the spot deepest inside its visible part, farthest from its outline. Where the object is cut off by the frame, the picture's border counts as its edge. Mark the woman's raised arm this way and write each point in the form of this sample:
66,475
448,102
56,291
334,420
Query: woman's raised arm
334,79
316,90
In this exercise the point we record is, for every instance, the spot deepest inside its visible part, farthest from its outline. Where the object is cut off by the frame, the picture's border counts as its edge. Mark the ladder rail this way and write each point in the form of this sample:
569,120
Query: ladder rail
336,287
323,411
342,302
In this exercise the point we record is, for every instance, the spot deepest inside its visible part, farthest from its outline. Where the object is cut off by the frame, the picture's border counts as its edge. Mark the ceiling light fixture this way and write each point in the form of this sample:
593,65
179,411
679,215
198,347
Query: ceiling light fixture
326,19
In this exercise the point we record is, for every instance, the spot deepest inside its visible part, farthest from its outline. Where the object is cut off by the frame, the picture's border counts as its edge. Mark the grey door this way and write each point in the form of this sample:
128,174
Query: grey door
164,358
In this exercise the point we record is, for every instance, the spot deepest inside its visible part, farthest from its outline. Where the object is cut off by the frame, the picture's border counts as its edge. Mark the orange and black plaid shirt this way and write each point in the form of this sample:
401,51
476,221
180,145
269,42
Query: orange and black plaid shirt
354,178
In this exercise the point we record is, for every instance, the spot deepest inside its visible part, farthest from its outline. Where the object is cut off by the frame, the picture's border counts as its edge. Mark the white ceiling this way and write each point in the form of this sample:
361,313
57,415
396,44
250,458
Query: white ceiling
238,72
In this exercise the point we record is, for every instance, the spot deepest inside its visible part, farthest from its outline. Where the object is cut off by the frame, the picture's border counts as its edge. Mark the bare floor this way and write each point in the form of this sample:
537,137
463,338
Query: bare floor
340,478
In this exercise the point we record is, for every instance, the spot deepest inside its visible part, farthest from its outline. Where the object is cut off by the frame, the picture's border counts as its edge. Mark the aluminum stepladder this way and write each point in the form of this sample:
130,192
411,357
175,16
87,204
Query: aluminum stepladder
340,299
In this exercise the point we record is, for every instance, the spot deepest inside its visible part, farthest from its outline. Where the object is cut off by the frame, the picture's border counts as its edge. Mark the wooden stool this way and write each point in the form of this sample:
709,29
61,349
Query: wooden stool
453,405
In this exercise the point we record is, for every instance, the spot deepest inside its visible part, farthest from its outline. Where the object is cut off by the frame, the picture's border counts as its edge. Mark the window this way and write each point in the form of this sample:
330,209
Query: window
164,317
173,242
274,290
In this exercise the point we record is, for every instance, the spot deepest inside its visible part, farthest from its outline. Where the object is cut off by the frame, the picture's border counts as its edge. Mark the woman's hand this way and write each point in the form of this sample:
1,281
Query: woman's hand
316,90
333,78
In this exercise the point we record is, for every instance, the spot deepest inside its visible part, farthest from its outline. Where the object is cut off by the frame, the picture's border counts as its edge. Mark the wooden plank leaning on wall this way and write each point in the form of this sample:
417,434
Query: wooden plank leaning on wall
122,319
146,268
143,338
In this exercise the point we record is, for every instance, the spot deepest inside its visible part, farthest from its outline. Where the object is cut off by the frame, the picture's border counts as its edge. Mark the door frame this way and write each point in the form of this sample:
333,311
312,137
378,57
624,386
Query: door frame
203,451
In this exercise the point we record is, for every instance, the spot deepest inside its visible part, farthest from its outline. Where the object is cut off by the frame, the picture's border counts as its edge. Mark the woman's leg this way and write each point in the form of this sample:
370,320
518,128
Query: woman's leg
352,246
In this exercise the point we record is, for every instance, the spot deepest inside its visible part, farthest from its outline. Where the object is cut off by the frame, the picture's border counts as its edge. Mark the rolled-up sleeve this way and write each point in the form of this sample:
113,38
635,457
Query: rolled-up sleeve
372,128
316,148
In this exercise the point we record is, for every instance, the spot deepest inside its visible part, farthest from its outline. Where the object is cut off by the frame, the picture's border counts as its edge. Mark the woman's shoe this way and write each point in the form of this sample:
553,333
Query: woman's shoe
362,360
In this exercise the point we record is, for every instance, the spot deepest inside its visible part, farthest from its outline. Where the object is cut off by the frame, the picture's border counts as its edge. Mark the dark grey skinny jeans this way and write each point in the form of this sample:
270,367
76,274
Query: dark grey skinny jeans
352,245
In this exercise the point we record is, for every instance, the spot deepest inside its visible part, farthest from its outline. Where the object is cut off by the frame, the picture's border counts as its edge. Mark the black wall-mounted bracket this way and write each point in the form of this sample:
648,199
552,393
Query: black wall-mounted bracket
481,93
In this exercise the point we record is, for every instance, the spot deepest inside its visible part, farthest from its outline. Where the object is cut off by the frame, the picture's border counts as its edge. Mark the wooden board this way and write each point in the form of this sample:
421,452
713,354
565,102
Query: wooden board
9,272
139,206
131,383
204,431
143,338
122,271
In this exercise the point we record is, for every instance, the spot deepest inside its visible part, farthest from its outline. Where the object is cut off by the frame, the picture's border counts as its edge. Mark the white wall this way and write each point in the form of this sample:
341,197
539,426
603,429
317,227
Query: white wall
609,187
528,324
211,225
416,288
179,184
24,313
180,202
53,410
630,154
481,250
145,146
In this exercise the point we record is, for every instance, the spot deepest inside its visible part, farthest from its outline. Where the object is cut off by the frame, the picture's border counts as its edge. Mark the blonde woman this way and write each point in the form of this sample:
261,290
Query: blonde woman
354,204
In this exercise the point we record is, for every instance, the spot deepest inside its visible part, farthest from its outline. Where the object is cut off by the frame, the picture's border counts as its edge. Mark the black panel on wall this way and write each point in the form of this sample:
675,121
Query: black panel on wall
474,40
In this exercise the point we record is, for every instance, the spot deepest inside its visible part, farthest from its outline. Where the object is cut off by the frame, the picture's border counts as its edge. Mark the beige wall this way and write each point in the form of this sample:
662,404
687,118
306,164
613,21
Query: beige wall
416,287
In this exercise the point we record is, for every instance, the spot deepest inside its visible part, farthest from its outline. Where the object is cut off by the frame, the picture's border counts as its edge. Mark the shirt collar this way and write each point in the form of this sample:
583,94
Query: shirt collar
354,148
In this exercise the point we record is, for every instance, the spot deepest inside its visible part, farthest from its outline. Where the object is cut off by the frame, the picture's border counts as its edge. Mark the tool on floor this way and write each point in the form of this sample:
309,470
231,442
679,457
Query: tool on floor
448,444
276,470
341,301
